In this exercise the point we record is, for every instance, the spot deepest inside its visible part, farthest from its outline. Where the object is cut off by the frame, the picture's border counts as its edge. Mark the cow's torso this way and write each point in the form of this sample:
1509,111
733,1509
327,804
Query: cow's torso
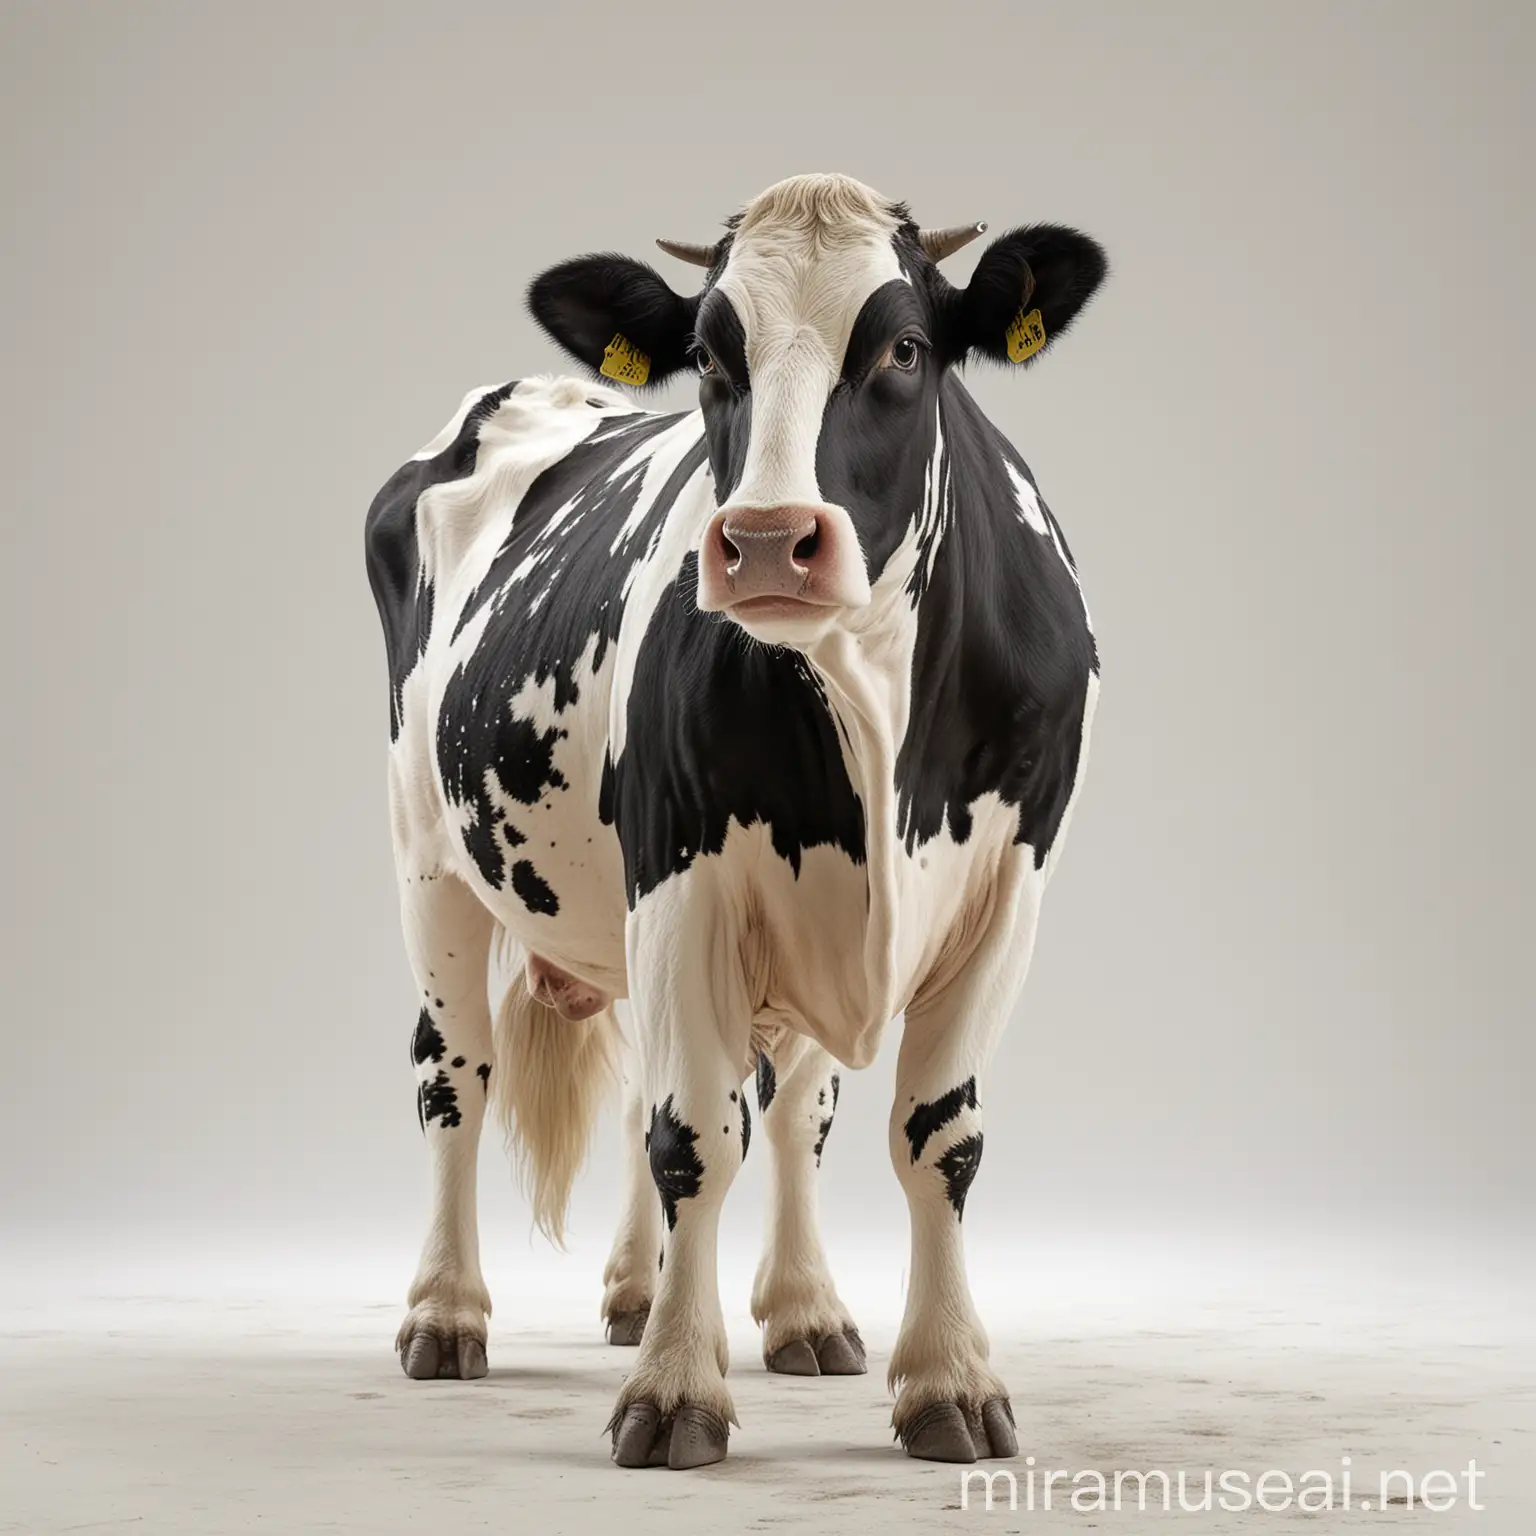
573,738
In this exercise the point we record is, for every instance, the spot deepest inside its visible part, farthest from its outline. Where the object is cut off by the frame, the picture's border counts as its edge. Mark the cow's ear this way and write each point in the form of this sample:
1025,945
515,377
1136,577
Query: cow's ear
1026,290
616,315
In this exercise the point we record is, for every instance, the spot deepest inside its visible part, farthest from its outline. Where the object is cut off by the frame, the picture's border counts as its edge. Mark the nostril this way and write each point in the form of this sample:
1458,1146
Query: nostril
732,554
807,547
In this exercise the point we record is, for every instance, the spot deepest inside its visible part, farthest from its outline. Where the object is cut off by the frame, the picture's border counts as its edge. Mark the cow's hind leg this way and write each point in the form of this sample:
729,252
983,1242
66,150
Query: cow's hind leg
951,1405
692,1016
806,1328
629,1279
448,935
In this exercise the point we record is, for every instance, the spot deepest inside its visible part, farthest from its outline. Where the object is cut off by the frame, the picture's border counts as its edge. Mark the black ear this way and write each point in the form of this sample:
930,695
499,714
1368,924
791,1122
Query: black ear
616,315
1026,290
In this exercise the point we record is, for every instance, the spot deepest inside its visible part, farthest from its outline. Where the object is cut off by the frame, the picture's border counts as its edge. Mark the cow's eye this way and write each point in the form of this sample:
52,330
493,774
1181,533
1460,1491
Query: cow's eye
904,354
704,363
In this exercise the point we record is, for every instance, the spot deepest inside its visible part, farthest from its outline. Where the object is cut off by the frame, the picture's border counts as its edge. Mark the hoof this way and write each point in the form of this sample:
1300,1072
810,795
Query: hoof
627,1328
419,1358
834,1354
472,1365
699,1437
427,1357
998,1427
692,1437
939,1433
842,1354
797,1358
639,1436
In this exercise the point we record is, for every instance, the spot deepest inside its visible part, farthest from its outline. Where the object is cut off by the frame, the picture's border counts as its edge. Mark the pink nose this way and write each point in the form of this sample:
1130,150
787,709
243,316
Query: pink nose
751,552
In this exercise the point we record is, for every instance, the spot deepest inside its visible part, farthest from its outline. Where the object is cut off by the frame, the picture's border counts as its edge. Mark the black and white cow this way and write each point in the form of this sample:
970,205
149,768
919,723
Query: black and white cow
769,717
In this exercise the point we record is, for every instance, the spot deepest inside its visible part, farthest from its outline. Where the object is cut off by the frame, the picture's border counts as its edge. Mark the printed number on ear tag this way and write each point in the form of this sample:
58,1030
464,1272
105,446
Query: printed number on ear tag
1025,336
624,361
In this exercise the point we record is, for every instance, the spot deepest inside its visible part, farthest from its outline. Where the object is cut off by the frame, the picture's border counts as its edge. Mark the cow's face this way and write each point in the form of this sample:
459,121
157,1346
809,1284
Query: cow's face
821,338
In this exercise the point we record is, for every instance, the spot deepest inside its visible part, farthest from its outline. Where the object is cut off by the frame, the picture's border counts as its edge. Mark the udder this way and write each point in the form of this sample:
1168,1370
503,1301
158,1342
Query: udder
570,997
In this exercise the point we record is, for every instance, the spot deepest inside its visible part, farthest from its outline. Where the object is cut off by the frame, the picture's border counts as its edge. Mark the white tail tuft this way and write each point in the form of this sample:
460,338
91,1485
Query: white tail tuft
550,1079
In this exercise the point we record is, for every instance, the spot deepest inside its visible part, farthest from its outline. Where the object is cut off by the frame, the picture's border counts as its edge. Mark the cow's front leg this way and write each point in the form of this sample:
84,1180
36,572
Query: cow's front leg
447,937
951,1405
806,1328
629,1279
691,1010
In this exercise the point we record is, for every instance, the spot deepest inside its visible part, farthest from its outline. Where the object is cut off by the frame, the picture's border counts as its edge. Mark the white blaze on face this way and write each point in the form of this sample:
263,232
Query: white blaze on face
806,256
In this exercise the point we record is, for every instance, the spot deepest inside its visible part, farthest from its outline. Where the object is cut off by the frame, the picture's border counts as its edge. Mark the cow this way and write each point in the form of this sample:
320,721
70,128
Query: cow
768,716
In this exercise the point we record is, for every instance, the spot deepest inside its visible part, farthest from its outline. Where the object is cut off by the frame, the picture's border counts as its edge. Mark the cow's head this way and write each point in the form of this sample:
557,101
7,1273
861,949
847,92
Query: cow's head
821,338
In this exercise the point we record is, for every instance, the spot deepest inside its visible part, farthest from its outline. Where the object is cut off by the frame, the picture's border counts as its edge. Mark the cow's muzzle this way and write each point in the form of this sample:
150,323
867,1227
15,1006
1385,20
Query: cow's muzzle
780,560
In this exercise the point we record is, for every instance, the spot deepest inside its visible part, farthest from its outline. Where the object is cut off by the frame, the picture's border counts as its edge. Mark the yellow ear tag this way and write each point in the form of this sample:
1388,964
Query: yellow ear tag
1025,336
624,361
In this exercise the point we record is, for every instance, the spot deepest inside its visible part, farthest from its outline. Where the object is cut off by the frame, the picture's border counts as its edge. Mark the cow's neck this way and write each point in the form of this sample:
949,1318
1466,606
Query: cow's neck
867,674
871,669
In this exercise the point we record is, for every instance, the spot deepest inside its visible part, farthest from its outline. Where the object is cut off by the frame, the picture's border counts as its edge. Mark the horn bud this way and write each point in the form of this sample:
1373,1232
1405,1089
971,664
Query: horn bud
695,255
939,243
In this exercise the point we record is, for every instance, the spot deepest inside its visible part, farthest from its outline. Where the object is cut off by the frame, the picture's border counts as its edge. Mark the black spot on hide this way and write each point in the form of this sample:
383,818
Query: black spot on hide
928,1118
675,1164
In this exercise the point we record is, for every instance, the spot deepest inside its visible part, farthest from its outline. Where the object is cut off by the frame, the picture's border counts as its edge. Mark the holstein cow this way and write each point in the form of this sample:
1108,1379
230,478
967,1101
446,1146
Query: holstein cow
767,716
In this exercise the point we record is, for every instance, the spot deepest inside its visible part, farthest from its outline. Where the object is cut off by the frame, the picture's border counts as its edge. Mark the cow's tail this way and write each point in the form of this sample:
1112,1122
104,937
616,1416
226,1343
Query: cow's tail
550,1079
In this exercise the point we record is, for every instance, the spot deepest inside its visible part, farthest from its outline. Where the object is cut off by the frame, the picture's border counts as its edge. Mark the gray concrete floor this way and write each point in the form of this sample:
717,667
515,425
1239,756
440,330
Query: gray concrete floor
156,1415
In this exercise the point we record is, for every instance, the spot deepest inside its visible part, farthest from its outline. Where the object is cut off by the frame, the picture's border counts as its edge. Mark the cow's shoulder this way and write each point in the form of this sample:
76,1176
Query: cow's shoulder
1004,653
